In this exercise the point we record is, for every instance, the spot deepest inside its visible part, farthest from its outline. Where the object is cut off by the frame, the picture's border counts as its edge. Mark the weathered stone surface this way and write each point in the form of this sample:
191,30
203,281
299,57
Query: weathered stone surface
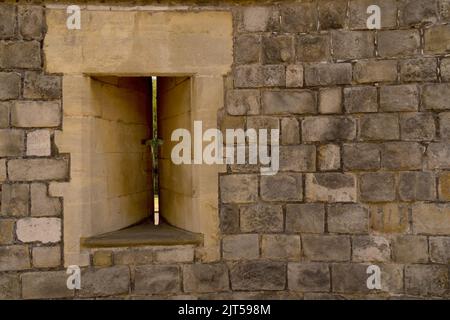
434,36
277,49
8,25
263,122
440,249
15,200
31,22
247,49
7,231
368,71
242,102
256,19
393,156
329,157
410,249
379,126
305,218
305,156
46,257
431,218
290,131
241,188
326,247
38,169
353,44
330,100
281,247
358,13
399,98
26,54
38,143
348,218
360,99
248,76
417,126
241,246
2,171
41,86
274,76
444,9
173,254
289,102
205,278
361,156
9,85
326,128
229,219
417,186
308,277
98,282
5,106
414,12
156,279
134,257
45,230
46,285
445,68
294,76
444,125
258,275
370,248
42,204
435,96
394,43
421,69
299,17
282,187
36,114
332,14
426,279
377,187
444,186
261,218
313,48
11,143
389,218
102,258
438,155
327,74
9,286
14,257
330,187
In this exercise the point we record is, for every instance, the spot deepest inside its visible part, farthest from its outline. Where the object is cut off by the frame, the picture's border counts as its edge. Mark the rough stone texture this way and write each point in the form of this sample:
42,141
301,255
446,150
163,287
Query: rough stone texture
31,22
205,278
251,76
423,69
6,231
38,143
305,218
358,13
389,218
298,18
5,106
377,187
444,186
329,157
326,247
305,155
434,96
133,257
330,100
9,85
328,129
393,156
444,125
238,188
368,71
8,24
410,249
399,98
379,127
41,203
242,246
417,126
256,18
294,76
360,99
440,250
413,12
277,49
426,279
330,187
11,143
328,74
370,248
308,277
438,155
45,285
348,218
247,49
46,257
9,287
24,54
280,247
431,218
398,43
434,36
290,131
361,156
40,114
241,102
15,257
102,258
156,279
45,230
37,169
261,218
229,219
292,102
332,14
2,171
313,48
15,200
98,282
282,187
258,275
41,86
174,254
417,186
353,44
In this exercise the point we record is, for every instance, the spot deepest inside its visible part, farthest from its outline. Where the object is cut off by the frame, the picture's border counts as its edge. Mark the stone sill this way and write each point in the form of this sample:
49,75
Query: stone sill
144,234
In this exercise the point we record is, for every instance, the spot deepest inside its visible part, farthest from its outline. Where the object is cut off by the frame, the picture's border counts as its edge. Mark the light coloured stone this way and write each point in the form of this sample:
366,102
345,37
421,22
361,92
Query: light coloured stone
330,100
6,231
102,258
290,131
294,76
348,218
389,218
45,285
45,230
371,248
38,143
41,203
431,218
46,257
175,254
329,157
331,187
38,169
256,18
14,257
2,170
38,114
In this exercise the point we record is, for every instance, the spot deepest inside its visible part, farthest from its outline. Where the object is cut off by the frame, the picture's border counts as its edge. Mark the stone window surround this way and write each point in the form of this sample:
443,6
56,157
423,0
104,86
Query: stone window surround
109,44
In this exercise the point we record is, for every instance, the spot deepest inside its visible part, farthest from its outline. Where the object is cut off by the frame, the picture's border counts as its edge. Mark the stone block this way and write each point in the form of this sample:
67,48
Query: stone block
15,200
431,218
417,70
294,76
410,249
31,22
393,156
38,143
379,126
134,257
444,186
330,100
370,249
440,250
369,71
241,246
99,282
42,204
290,131
7,231
434,43
389,218
438,155
11,143
308,277
243,102
353,44
348,218
444,125
329,157
5,106
15,257
360,99
377,187
445,69
361,156
326,247
305,155
358,13
327,128
399,98
38,169
41,114
417,12
205,278
2,171
289,102
242,188
299,18
426,279
313,47
261,218
274,76
102,258
45,285
9,85
23,55
332,14
435,96
277,49
41,86
305,218
9,284
247,49
256,19
229,219
46,257
281,247
399,43
330,187
258,275
417,186
328,74
157,279
8,24
174,254
282,187
45,230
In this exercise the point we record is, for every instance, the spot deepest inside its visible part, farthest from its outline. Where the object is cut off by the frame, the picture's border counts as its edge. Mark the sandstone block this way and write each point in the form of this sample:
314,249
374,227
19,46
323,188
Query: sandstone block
46,257
313,48
305,218
379,127
327,74
9,85
15,200
369,71
330,100
305,156
324,128
258,275
413,12
7,231
243,102
421,69
410,249
31,22
15,257
308,277
348,218
277,49
289,102
205,278
98,282
9,287
11,143
239,188
41,86
38,169
42,204
371,248
247,49
361,156
329,157
261,218
45,285
389,218
394,43
282,187
326,247
26,54
294,76
8,25
241,246
393,156
360,99
426,279
156,279
417,186
331,187
45,230
377,187
298,18
431,218
290,131
38,143
281,247
399,98
440,249
358,13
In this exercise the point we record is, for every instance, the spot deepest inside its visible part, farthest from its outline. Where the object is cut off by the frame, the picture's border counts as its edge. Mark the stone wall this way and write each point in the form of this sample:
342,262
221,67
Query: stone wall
365,162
